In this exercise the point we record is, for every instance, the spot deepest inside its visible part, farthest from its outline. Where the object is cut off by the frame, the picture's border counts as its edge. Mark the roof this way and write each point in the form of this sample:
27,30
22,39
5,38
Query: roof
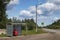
16,23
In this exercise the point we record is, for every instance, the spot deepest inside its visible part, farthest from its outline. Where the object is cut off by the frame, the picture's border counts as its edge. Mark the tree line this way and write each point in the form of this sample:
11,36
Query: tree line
54,25
29,22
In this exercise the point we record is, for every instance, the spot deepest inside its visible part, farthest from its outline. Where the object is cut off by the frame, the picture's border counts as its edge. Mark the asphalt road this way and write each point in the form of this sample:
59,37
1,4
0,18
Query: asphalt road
51,35
52,31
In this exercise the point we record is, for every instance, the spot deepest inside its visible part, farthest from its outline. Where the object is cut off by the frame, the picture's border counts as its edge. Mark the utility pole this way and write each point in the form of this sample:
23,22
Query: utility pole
36,16
36,19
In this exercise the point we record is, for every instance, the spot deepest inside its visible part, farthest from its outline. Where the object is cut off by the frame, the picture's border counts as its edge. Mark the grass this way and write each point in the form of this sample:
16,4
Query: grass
3,35
31,32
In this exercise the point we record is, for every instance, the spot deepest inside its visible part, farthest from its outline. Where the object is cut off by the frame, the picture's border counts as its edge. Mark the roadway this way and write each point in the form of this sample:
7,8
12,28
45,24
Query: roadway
55,31
51,35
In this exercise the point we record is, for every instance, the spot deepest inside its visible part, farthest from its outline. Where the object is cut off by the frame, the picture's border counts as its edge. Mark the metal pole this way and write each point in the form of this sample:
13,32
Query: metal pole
26,29
36,19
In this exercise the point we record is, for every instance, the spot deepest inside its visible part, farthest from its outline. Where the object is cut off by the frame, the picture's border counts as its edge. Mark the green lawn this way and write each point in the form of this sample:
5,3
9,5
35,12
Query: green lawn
31,32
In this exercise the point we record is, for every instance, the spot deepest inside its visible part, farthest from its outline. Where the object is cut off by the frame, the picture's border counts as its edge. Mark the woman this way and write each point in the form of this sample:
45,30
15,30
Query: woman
15,32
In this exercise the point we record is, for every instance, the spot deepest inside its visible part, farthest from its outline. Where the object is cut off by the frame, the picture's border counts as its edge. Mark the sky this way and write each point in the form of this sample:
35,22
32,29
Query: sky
48,10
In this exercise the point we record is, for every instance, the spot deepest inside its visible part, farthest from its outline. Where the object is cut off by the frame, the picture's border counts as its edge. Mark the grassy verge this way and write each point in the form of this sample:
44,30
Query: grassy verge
3,35
31,32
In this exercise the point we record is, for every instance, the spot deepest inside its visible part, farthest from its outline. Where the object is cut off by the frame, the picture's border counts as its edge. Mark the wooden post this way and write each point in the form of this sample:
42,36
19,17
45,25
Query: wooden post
26,29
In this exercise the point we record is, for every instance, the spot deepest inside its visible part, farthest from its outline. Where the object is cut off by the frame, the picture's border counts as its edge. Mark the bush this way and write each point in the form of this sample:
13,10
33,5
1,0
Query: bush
3,35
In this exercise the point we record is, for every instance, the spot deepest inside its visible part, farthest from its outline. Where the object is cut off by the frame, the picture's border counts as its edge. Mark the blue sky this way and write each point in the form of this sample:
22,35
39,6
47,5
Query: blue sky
48,11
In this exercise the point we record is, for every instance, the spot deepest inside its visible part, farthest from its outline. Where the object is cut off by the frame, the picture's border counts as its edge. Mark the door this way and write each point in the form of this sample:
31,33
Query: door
9,30
18,28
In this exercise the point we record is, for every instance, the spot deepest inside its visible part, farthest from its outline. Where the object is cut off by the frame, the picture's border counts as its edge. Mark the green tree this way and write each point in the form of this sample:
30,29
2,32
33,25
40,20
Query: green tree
15,20
55,25
3,15
30,23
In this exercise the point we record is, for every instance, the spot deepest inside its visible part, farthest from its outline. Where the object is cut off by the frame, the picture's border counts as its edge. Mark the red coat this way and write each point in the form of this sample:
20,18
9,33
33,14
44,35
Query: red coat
15,33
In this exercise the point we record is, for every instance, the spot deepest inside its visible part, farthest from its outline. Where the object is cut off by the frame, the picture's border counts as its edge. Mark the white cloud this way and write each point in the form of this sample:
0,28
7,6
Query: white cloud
13,2
39,12
56,18
42,17
21,18
25,13
48,6
54,1
33,9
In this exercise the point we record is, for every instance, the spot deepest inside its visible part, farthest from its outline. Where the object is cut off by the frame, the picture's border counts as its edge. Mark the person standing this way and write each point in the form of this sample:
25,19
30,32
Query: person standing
15,32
